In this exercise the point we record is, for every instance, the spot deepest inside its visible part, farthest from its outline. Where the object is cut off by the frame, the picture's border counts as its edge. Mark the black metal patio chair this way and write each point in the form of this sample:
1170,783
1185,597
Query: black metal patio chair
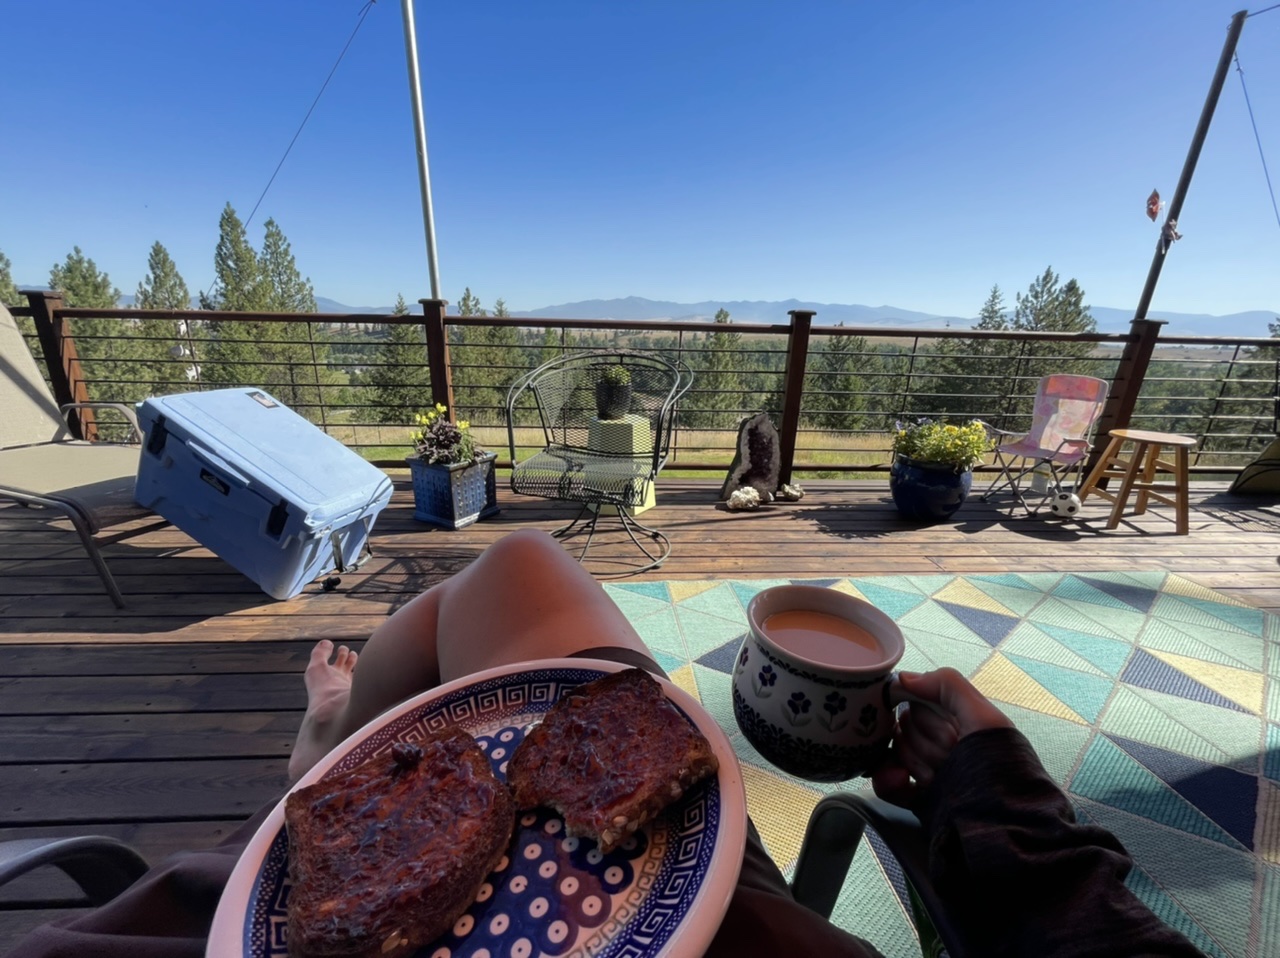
606,420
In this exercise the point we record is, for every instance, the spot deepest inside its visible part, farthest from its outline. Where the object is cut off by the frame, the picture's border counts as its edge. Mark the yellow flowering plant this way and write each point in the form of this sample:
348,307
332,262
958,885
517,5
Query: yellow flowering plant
929,441
437,439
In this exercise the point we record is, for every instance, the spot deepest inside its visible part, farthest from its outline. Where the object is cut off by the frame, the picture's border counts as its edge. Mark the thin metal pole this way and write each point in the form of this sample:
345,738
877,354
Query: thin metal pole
420,129
1189,166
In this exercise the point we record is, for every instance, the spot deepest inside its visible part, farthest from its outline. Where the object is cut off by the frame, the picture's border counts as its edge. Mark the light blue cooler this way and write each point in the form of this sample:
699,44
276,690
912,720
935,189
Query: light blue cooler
255,483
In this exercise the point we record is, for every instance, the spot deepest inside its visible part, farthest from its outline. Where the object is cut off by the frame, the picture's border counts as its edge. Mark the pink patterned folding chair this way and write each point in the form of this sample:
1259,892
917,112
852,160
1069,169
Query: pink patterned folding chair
1066,410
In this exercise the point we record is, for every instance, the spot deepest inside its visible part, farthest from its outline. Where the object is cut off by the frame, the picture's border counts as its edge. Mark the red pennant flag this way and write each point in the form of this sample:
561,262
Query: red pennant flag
1153,205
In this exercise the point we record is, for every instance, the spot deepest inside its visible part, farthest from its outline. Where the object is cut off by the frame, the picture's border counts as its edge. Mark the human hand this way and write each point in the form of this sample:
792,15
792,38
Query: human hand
924,737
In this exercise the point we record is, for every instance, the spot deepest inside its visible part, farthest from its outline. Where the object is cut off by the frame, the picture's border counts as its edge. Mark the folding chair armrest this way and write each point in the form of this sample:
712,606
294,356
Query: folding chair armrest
992,431
103,867
119,407
835,828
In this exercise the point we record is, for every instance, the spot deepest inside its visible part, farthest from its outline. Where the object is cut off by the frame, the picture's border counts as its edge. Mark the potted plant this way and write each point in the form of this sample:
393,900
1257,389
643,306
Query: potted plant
453,481
613,392
932,469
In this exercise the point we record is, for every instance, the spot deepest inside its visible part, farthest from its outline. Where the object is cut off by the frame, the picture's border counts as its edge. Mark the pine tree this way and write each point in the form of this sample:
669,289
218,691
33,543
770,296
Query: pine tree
107,347
467,356
164,288
233,353
833,386
401,384
299,372
9,295
718,378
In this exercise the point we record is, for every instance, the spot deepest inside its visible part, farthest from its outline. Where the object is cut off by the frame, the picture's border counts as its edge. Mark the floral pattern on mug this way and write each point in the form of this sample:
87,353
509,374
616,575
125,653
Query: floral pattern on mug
742,658
833,705
867,720
796,709
764,681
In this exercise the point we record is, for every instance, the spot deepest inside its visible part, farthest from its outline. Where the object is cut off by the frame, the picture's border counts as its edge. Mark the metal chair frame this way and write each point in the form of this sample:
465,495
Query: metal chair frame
571,468
836,825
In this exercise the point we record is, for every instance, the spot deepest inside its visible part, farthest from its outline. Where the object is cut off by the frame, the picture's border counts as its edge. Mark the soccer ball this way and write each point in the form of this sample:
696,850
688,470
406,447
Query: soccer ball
1065,505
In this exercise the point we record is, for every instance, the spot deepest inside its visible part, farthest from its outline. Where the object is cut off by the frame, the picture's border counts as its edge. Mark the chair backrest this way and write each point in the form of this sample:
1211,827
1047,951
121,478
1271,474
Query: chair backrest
1066,406
564,393
30,413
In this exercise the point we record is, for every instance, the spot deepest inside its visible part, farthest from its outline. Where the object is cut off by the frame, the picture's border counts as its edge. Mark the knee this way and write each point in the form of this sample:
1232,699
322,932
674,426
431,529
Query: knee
521,549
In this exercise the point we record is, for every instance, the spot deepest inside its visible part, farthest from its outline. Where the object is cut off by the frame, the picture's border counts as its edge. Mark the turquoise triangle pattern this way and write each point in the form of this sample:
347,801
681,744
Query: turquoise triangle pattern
1243,618
1185,608
668,661
1055,611
1215,791
1007,579
1077,589
1110,777
1139,597
1271,761
898,583
1082,693
1168,911
824,583
893,602
655,590
746,591
1109,655
1020,600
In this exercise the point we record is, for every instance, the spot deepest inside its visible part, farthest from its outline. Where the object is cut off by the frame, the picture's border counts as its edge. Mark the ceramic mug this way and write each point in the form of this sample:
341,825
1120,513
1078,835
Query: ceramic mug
816,709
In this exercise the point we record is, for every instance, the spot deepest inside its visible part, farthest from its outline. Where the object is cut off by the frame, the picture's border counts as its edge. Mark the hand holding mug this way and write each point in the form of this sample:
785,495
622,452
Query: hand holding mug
925,736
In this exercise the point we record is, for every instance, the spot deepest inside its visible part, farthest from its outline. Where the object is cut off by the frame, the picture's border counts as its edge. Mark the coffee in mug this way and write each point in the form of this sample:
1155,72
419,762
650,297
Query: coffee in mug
823,637
811,685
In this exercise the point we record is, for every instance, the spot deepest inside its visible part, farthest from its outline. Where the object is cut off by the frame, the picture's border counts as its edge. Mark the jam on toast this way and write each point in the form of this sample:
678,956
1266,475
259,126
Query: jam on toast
384,858
609,756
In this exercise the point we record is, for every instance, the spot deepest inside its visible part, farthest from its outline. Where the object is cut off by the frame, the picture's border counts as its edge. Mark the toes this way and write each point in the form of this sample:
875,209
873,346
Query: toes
321,652
351,661
346,659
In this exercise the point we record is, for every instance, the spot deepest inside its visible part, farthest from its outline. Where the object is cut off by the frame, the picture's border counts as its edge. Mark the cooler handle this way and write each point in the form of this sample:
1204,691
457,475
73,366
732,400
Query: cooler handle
214,461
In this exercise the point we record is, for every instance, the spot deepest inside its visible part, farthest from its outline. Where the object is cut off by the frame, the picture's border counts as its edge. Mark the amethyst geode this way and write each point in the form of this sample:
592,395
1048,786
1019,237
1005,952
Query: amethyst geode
756,461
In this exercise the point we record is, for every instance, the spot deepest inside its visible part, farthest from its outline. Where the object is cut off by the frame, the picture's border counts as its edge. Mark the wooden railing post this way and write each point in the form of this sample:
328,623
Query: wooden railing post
61,359
438,353
1127,383
793,388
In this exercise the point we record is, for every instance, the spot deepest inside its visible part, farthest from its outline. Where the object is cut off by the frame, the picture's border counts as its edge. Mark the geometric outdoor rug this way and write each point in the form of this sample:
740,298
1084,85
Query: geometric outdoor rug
1153,702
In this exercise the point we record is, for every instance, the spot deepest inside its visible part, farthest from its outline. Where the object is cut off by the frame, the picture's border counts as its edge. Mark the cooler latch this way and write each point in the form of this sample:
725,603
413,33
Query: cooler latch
277,518
159,433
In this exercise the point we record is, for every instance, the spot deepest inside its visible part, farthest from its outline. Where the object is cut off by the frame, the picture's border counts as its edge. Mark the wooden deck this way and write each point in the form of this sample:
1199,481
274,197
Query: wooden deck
168,723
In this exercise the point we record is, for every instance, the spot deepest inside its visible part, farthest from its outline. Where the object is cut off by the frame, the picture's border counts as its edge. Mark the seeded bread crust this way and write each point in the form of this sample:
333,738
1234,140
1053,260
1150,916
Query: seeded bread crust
610,756
386,857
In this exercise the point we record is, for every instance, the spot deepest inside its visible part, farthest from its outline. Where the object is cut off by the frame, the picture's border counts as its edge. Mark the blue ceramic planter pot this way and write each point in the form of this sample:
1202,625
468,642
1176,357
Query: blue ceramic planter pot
926,491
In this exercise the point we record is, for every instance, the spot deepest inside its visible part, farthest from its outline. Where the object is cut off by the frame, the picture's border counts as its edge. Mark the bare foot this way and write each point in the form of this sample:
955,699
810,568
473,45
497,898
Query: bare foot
328,691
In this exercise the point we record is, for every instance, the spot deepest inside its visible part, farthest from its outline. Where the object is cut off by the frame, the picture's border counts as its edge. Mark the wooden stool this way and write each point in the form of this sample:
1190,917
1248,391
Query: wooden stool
1145,460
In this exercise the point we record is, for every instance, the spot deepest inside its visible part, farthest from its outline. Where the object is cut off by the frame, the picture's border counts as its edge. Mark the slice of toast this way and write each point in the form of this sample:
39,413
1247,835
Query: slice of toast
384,858
609,756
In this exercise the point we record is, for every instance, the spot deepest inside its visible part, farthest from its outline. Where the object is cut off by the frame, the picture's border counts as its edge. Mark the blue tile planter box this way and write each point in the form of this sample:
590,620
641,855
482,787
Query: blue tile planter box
456,495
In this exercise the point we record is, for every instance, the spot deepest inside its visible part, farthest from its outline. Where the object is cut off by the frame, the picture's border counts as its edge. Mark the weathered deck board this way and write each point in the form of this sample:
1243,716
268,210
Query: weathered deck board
168,722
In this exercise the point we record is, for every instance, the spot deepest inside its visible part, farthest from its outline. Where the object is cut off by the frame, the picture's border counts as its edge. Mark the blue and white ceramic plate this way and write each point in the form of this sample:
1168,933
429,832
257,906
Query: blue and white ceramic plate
663,893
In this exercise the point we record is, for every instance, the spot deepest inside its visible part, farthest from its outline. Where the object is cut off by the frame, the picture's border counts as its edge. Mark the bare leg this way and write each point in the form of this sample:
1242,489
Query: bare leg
524,598
328,691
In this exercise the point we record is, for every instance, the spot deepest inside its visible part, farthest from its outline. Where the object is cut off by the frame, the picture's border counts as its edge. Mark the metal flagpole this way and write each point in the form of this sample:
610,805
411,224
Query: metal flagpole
420,128
1169,233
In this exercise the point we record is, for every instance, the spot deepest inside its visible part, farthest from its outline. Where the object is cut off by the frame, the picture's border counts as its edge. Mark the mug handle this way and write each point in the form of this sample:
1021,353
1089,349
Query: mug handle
897,695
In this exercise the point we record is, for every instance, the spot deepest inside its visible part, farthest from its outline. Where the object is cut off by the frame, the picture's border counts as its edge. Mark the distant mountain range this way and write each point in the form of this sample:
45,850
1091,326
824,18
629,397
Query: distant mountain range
1251,323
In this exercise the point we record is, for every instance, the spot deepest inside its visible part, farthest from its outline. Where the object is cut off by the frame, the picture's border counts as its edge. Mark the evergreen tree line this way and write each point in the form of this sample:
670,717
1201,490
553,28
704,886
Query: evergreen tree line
377,373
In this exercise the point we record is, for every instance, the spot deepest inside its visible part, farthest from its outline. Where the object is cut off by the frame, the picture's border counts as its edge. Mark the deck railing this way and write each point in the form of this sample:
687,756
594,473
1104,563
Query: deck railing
835,393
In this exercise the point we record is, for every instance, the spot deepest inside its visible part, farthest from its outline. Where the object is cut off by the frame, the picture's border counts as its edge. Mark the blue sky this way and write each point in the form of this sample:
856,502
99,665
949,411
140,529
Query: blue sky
906,153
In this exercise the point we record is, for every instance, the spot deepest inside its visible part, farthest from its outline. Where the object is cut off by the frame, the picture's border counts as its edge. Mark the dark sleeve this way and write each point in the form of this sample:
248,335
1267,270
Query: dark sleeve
1025,877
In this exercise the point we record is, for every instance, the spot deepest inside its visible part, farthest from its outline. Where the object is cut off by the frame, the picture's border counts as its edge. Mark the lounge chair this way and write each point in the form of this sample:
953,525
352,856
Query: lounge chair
43,466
